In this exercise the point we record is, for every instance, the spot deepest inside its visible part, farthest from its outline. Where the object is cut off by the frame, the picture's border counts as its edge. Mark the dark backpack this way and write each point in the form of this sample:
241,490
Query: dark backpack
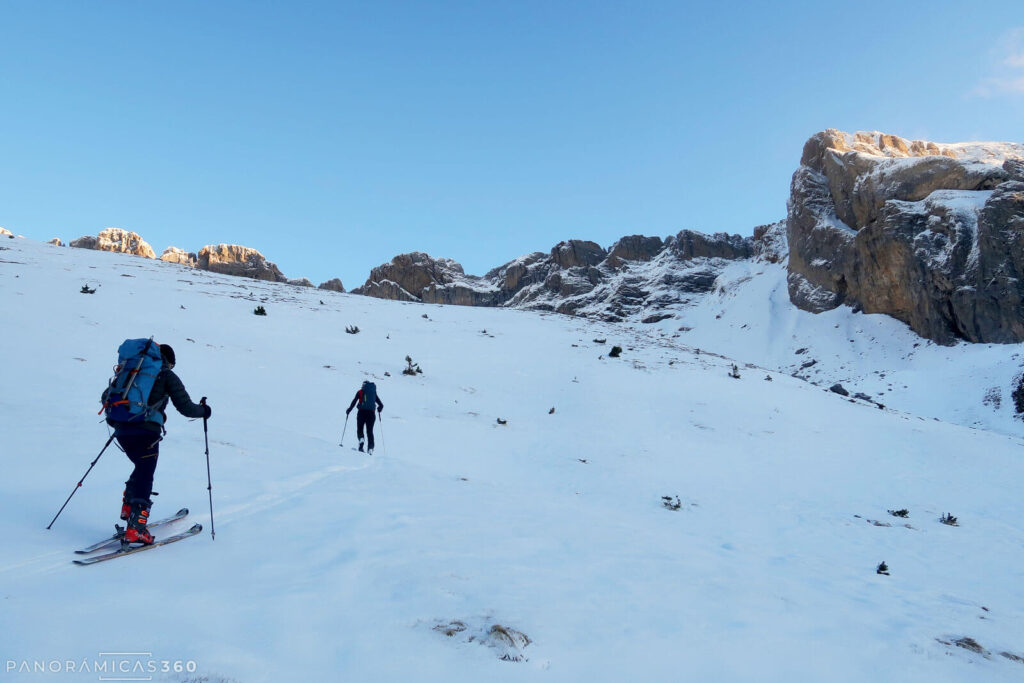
126,399
369,400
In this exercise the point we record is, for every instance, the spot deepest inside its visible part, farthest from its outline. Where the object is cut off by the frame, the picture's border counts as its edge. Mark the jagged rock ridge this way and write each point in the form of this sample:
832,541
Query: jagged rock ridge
637,277
931,234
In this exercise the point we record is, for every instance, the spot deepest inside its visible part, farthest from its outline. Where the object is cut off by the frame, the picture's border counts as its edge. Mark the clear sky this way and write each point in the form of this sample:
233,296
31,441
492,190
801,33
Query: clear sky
332,136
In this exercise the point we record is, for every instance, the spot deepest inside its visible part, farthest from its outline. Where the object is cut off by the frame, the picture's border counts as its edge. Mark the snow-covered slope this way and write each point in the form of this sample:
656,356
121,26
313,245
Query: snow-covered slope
331,565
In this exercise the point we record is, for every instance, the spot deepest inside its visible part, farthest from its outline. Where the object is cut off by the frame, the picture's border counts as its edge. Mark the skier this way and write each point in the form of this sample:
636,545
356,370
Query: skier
141,443
366,398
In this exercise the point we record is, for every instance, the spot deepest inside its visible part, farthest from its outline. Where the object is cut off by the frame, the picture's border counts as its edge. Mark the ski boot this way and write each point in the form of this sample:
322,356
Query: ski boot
126,508
137,532
360,445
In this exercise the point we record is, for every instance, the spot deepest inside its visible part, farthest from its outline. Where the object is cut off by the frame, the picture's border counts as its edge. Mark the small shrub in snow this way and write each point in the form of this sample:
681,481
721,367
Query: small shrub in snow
902,512
259,310
670,503
451,628
1018,397
509,642
411,368
735,374
882,568
993,397
552,411
948,519
85,290
352,330
615,352
970,644
502,422
600,341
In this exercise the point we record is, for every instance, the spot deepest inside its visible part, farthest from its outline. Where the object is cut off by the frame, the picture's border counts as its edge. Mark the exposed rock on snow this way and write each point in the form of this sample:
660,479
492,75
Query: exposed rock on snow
84,242
6,232
770,243
176,255
56,242
333,285
232,259
931,234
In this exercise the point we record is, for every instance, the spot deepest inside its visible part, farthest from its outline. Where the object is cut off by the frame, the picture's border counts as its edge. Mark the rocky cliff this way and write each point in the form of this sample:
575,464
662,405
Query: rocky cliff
931,234
638,277
232,259
117,240
227,259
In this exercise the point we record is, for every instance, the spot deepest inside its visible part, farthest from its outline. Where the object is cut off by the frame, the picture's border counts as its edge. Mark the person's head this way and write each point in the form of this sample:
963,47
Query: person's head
168,354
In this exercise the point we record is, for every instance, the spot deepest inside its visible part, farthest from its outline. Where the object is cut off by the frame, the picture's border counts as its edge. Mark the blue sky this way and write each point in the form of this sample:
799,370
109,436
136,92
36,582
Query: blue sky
332,136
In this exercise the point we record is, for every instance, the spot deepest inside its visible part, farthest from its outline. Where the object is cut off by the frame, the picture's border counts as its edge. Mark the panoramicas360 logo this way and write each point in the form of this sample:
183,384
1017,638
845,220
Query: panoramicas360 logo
108,666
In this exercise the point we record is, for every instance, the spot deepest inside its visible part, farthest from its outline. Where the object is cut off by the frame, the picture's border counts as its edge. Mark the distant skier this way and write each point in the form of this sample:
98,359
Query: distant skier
367,399
140,435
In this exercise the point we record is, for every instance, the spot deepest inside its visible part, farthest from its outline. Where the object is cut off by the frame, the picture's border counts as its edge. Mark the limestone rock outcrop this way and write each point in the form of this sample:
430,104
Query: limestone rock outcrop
928,233
333,285
233,259
116,240
84,242
176,255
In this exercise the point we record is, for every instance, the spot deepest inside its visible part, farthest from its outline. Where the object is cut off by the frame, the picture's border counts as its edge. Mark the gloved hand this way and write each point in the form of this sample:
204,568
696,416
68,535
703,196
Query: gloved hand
209,412
347,412
380,410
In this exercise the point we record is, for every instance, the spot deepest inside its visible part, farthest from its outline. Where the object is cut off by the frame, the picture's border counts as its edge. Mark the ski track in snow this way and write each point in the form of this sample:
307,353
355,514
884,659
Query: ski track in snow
330,564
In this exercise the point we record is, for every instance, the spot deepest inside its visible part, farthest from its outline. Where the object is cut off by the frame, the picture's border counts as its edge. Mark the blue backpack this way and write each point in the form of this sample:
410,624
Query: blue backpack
127,397
369,401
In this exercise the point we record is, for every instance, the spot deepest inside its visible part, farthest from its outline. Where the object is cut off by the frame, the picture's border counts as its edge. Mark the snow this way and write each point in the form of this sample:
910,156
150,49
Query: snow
332,565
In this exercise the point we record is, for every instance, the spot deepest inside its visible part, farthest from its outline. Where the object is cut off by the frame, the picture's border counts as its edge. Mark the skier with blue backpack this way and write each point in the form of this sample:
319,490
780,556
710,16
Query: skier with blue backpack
135,404
367,399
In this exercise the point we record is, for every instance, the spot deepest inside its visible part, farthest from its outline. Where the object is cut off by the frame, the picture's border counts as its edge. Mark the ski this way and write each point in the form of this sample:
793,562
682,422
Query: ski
116,537
196,528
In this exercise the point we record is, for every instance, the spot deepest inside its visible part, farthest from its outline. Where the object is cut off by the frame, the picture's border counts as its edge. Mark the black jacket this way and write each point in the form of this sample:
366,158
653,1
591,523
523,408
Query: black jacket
166,386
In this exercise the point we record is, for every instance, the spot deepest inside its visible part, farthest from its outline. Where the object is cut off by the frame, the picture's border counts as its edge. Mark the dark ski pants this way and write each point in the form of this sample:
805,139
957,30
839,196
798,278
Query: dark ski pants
367,417
142,449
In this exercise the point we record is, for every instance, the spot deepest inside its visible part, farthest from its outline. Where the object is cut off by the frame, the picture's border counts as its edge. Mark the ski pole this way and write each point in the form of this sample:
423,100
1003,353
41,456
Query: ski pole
381,418
79,484
209,484
342,442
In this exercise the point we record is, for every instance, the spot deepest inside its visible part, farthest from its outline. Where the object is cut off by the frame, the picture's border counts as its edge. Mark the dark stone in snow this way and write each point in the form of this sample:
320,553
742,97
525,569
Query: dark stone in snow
838,389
